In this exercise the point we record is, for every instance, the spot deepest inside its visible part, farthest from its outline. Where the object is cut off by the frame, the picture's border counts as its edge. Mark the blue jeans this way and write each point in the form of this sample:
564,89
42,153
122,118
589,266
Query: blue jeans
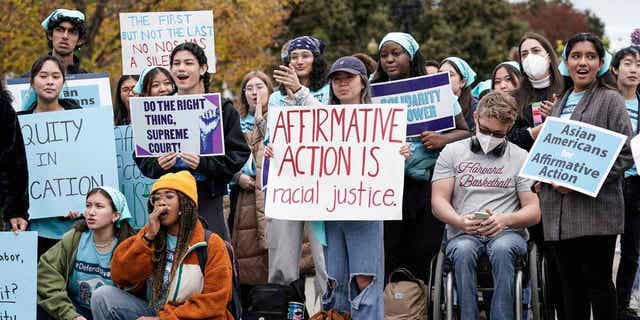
502,250
111,303
355,248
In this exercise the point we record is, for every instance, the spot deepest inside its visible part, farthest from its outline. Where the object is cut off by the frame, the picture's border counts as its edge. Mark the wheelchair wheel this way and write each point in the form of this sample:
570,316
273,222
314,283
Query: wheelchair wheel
534,277
438,287
430,289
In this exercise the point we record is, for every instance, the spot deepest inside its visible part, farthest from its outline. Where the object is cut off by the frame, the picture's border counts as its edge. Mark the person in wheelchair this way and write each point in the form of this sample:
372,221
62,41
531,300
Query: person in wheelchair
486,206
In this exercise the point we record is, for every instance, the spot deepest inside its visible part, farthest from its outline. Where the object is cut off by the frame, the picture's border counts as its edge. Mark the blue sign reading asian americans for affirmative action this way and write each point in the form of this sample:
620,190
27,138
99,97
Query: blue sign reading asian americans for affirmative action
18,275
429,99
573,154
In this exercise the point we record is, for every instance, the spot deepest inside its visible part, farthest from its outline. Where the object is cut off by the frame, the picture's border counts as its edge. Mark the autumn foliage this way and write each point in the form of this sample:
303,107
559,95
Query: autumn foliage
244,32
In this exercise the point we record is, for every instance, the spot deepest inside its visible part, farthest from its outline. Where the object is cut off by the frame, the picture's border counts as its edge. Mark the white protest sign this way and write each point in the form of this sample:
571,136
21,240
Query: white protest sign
89,89
18,275
149,37
338,162
189,123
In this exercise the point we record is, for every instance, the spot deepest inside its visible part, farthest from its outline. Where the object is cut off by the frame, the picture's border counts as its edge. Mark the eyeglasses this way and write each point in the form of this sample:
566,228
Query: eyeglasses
497,134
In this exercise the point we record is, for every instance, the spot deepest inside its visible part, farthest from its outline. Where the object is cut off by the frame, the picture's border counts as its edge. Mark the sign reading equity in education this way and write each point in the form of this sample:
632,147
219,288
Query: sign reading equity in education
338,162
133,184
68,153
573,154
429,99
89,89
190,123
149,37
18,275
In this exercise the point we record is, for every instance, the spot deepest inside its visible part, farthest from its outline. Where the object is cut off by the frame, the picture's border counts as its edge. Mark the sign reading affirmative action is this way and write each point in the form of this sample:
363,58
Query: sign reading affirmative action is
68,154
133,184
339,162
573,154
190,123
429,99
18,275
89,89
149,37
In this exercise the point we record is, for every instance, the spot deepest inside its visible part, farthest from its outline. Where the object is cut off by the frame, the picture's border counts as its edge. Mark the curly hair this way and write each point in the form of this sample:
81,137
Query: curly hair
187,222
499,106
198,52
318,77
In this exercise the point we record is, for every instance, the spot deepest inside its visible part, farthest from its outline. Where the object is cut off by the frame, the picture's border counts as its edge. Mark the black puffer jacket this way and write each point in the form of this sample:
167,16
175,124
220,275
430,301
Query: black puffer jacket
14,178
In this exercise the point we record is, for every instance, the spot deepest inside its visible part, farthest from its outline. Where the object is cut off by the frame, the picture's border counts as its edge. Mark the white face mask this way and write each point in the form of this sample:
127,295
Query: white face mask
535,66
488,142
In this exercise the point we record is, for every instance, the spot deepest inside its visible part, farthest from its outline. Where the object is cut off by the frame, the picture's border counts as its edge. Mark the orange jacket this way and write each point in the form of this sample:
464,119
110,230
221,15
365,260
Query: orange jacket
191,295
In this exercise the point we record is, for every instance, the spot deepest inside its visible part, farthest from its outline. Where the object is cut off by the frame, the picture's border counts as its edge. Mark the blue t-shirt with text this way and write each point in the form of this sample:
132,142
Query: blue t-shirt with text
91,270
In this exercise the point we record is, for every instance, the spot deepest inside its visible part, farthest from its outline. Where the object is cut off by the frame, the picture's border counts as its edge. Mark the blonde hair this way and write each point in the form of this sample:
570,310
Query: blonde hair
499,106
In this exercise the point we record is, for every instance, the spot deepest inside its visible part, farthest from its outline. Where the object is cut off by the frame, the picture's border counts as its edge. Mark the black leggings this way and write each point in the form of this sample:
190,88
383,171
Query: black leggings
411,242
585,265
630,242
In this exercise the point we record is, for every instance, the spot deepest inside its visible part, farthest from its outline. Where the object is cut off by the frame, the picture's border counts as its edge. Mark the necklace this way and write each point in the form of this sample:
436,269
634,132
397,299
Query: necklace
103,244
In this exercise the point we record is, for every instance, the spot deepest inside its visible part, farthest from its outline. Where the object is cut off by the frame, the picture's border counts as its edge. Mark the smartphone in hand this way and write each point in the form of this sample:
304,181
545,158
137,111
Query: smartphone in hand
480,215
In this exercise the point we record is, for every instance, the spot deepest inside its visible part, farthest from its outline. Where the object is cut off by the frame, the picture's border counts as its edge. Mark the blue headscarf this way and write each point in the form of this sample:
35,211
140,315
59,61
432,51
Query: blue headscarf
466,72
120,202
480,88
511,63
58,13
403,39
315,45
564,70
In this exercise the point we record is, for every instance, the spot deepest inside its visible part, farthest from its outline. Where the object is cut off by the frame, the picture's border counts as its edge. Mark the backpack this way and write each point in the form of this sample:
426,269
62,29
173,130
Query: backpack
331,315
271,301
235,305
404,297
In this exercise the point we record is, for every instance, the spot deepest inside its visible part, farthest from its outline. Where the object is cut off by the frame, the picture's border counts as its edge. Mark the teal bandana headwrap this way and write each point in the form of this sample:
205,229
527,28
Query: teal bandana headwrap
120,203
73,14
466,72
403,39
564,70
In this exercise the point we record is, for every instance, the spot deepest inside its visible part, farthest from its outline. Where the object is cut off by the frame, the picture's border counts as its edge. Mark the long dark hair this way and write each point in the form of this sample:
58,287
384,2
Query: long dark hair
512,71
606,80
416,68
465,97
526,92
148,80
198,52
318,76
120,111
121,233
188,220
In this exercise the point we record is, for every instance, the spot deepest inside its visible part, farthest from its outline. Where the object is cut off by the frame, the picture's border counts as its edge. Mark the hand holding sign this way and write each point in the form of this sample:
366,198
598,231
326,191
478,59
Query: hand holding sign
432,140
192,160
18,224
167,160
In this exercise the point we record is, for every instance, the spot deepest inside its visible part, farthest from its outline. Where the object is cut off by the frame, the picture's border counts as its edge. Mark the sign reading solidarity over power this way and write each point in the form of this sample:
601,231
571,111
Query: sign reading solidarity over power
18,275
89,89
189,123
149,37
429,99
68,153
338,162
573,154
